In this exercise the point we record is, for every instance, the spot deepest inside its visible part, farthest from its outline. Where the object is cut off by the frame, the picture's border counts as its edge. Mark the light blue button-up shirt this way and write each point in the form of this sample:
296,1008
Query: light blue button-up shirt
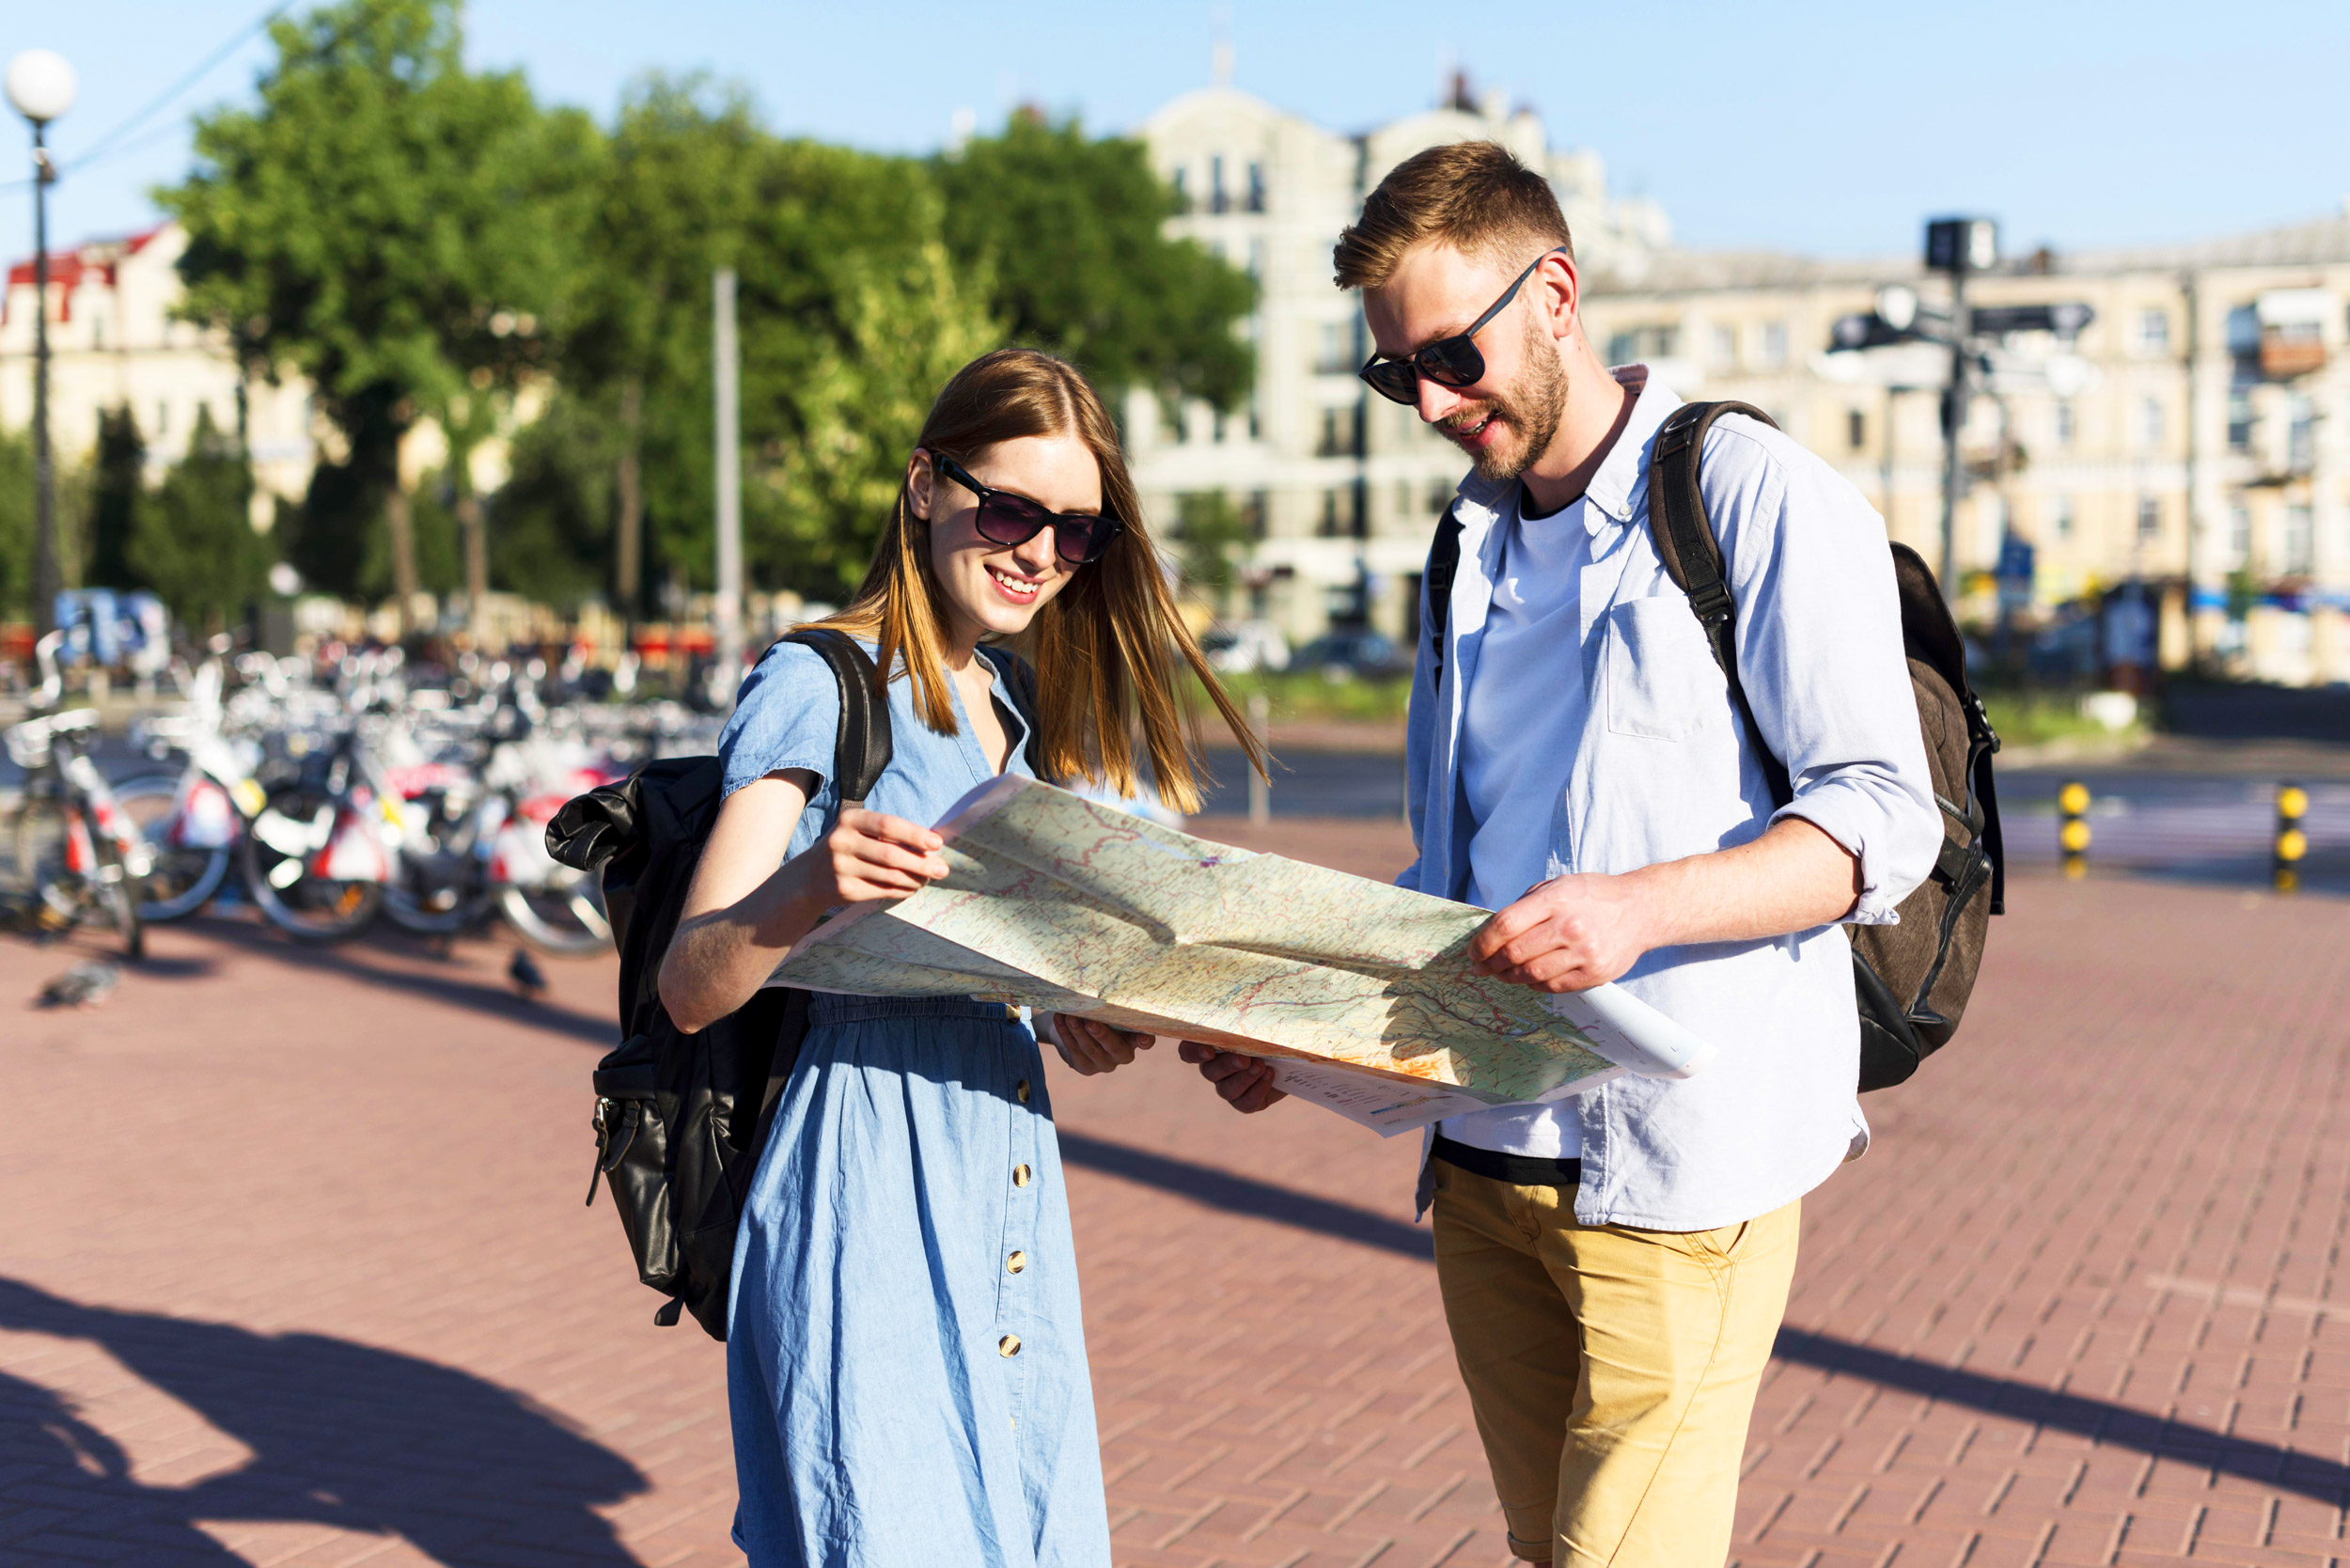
1665,770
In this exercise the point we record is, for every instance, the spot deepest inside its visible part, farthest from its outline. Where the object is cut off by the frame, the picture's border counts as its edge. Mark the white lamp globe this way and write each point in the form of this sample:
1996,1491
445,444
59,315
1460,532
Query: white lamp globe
40,85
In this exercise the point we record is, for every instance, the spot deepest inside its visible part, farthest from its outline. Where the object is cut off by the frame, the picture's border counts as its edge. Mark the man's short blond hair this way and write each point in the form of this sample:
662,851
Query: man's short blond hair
1474,196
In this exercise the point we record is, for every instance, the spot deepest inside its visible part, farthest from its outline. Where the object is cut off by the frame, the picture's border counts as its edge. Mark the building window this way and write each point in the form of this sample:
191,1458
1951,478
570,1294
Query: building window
1333,522
2067,422
1722,351
2239,419
1252,513
2300,434
2060,519
1856,429
1342,431
163,419
2148,519
2240,538
1440,492
1256,187
1643,345
1217,200
2153,331
2149,424
1182,189
2300,540
1772,351
1335,355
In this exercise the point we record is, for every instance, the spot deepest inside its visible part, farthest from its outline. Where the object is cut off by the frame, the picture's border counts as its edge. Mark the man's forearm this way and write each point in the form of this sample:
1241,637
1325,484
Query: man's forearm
1792,878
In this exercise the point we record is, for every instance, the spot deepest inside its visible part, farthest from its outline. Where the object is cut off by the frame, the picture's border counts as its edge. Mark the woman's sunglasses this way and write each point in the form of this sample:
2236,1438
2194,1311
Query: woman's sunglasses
1008,519
1448,361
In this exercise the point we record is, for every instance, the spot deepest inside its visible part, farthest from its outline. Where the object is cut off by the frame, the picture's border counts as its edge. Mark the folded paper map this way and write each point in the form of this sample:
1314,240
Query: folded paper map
1360,993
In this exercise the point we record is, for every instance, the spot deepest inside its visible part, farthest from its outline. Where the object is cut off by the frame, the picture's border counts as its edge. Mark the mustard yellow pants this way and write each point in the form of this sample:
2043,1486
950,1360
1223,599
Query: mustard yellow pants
1612,1371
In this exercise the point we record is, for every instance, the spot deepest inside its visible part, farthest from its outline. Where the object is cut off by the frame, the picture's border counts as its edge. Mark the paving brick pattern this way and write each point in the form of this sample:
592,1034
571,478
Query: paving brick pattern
296,1273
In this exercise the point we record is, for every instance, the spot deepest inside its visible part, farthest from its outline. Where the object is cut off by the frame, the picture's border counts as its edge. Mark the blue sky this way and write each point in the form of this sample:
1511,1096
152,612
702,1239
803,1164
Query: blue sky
1820,126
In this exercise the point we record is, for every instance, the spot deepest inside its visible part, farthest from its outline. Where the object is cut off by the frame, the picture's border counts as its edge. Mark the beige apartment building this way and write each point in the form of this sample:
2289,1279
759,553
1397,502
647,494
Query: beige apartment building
1341,488
115,343
2194,438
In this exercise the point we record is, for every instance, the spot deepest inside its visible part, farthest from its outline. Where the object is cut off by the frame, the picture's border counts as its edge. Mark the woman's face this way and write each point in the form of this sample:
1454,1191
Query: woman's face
999,587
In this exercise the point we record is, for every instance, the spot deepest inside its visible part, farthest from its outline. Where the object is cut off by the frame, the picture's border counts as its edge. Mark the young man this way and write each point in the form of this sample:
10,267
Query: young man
1614,1265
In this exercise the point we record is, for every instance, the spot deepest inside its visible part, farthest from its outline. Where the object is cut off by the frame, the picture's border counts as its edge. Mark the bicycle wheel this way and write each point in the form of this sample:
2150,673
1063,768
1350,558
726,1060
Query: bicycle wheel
440,886
278,850
119,894
563,919
183,878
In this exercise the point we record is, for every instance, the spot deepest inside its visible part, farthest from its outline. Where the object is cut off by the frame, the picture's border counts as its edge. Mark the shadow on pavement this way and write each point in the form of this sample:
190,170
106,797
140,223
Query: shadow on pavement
342,1434
472,994
2309,1475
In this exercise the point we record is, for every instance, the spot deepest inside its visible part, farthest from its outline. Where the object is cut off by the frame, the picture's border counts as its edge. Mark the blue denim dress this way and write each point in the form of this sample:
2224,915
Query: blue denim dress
905,1359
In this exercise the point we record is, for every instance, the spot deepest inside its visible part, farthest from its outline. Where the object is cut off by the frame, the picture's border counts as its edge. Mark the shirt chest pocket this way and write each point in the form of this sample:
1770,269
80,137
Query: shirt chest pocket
1660,679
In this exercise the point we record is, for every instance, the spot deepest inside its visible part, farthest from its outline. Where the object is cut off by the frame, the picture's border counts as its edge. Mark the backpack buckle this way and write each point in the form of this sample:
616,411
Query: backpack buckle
1711,603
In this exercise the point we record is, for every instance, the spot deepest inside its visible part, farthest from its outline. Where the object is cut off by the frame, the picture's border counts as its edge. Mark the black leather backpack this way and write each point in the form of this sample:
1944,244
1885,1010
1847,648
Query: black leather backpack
681,1119
1911,980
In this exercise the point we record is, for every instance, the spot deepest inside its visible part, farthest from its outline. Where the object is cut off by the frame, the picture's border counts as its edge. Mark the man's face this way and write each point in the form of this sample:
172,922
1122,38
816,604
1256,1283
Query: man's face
1507,417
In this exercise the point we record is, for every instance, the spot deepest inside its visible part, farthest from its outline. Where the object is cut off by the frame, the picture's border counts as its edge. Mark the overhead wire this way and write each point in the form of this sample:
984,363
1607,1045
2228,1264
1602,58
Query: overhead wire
106,145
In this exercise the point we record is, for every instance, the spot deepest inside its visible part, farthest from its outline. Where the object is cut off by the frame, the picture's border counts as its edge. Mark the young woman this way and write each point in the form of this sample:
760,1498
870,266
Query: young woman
905,1361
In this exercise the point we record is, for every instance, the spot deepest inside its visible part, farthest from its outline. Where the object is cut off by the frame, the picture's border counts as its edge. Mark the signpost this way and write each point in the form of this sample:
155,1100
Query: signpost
1960,247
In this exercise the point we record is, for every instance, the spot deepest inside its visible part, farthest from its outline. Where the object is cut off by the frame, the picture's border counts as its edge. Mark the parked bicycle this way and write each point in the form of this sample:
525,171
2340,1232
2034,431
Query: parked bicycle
80,854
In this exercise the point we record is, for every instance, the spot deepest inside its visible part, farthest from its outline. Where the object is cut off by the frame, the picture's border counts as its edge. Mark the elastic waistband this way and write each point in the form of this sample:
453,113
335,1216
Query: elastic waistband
1517,1170
827,1008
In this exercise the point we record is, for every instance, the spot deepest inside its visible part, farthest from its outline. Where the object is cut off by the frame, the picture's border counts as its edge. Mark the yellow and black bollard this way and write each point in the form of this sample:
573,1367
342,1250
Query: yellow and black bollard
2292,804
2073,828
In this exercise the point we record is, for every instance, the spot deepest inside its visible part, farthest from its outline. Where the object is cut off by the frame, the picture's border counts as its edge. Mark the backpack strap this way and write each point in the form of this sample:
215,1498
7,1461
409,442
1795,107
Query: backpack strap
861,750
1444,564
1693,557
1020,686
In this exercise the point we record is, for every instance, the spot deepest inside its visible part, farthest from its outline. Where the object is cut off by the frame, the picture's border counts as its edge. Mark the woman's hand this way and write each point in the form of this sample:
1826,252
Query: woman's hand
1090,1046
867,855
1244,1083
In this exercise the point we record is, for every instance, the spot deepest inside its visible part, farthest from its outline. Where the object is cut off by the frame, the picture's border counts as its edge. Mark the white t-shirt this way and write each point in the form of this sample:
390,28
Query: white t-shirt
1522,720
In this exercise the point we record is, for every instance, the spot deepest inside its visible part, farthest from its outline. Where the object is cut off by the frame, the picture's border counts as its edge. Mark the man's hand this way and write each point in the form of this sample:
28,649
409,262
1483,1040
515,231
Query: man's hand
1090,1046
1244,1082
1569,933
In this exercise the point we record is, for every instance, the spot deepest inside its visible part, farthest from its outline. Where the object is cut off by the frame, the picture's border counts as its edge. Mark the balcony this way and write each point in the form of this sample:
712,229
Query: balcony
2284,355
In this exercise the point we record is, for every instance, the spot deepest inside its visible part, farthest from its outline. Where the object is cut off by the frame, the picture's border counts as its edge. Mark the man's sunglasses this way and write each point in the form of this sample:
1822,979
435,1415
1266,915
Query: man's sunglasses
1009,520
1448,361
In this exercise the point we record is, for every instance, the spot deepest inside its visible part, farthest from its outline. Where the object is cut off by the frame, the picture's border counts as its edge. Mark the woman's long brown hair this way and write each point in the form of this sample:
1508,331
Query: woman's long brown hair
1107,647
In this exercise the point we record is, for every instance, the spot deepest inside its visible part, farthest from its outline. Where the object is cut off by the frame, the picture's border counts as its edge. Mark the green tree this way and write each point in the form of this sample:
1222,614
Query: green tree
192,538
1068,232
552,520
395,229
16,525
851,317
117,484
1210,532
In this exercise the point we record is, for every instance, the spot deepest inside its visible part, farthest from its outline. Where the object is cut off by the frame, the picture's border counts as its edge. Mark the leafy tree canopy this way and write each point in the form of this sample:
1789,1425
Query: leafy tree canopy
1067,231
192,538
395,229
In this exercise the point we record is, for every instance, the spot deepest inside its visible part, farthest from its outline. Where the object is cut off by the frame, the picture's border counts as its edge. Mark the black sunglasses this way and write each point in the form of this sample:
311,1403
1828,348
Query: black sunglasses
1006,519
1448,361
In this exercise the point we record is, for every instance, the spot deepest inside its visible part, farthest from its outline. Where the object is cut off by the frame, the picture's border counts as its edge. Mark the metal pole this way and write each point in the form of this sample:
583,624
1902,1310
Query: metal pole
1953,421
47,580
727,605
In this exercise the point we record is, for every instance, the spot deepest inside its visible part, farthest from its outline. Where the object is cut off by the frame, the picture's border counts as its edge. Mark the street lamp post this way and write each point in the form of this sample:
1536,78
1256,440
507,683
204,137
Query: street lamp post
1957,246
41,86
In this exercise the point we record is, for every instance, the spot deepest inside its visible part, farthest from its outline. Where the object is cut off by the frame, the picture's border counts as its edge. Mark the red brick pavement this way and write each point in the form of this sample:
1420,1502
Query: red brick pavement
298,1275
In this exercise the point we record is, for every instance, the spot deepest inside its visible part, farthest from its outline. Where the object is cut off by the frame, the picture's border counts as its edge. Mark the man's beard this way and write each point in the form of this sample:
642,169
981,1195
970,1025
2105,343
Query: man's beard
1533,407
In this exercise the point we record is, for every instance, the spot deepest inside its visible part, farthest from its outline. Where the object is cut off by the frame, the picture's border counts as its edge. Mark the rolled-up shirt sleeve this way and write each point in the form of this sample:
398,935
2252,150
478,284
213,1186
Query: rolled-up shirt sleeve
1821,656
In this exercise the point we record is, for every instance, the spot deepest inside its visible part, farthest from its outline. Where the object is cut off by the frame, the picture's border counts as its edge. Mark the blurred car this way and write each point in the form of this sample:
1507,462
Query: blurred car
1344,654
1245,646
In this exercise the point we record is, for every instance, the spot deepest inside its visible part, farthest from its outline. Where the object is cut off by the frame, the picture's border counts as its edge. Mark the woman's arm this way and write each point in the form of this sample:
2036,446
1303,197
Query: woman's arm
742,913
